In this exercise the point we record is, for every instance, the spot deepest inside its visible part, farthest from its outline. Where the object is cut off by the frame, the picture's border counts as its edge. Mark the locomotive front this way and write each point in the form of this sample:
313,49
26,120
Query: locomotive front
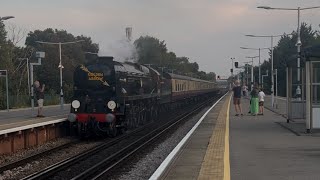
94,105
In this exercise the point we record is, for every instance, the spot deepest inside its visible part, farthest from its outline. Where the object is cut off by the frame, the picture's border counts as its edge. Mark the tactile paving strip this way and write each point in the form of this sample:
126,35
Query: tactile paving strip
213,166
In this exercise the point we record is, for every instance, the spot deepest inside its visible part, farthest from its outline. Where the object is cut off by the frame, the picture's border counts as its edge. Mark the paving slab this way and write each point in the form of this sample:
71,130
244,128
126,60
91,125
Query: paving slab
262,149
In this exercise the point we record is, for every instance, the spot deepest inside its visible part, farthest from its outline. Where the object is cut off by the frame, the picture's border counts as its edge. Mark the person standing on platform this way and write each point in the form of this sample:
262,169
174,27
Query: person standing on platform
237,97
261,101
40,97
254,101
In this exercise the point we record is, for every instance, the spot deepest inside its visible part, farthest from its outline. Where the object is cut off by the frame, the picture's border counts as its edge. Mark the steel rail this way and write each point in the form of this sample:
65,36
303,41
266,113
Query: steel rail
112,161
30,158
62,165
47,172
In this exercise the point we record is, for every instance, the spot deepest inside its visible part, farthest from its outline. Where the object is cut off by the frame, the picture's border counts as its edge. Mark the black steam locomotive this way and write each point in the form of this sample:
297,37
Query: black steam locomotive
110,96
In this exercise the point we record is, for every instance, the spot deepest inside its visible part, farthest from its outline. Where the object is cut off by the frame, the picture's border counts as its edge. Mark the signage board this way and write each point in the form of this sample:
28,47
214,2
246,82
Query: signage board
3,73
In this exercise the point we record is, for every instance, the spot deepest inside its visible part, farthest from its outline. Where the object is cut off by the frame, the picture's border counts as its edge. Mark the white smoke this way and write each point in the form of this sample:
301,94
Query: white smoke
122,50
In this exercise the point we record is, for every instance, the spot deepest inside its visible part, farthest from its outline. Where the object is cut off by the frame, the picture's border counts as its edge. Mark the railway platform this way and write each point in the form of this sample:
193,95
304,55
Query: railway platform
21,117
225,146
20,129
202,155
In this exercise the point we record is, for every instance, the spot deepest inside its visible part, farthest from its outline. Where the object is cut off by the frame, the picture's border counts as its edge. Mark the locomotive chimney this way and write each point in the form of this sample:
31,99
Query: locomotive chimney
129,33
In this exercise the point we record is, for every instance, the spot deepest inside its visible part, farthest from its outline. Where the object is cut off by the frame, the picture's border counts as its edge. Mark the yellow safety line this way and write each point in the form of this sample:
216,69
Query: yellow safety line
226,147
216,164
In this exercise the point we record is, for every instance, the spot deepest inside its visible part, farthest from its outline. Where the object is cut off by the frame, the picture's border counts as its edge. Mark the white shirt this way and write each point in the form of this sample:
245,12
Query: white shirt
261,96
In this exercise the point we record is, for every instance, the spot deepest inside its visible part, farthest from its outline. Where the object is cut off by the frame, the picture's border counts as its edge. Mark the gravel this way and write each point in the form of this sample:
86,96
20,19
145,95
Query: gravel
149,161
7,158
30,168
144,166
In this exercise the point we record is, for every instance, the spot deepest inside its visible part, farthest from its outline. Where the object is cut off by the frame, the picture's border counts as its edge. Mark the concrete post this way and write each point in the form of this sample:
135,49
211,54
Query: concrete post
7,89
287,94
308,97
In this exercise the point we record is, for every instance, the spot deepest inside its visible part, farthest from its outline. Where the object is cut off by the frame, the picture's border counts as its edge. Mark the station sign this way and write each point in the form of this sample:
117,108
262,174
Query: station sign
3,73
40,54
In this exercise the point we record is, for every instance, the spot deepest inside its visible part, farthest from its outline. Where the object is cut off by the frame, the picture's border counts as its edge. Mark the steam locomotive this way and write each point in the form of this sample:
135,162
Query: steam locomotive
110,96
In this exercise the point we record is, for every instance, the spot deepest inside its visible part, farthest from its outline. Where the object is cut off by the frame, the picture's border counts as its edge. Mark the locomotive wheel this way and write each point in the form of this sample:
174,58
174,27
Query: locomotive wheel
142,118
81,134
153,113
112,131
139,122
122,130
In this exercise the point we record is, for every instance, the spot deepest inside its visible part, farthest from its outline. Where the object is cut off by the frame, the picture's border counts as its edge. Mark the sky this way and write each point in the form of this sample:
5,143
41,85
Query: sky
209,32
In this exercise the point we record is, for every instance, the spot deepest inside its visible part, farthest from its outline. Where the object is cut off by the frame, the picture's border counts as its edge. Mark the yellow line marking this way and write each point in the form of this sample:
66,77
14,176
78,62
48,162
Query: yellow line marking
226,147
216,165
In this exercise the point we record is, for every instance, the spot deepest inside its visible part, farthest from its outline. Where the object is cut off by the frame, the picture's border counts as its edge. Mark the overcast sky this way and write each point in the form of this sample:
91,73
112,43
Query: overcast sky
209,32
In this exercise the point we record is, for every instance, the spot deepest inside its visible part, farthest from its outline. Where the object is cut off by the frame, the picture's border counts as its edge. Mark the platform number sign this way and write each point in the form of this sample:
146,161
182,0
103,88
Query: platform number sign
3,73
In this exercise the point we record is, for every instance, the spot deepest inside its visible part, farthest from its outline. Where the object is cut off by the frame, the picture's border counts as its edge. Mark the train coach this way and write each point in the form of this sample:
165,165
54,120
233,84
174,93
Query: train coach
110,97
186,87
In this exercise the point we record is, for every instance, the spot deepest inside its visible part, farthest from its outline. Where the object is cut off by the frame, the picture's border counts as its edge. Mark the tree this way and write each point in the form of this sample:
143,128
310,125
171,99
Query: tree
3,61
71,55
285,53
153,51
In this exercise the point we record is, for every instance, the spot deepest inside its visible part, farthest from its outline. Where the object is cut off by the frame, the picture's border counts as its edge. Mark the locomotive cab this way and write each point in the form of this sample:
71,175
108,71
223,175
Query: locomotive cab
107,94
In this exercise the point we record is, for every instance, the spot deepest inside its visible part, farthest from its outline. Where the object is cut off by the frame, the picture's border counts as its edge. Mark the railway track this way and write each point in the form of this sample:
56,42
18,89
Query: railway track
109,163
97,162
36,156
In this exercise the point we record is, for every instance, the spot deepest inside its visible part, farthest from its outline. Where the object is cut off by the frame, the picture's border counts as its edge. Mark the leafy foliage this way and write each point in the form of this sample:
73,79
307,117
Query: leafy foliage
13,59
71,55
285,53
152,51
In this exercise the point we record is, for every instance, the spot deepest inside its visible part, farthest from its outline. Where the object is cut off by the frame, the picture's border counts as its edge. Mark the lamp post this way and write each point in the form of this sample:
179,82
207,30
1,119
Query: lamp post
298,44
252,79
264,75
247,68
60,64
259,59
272,78
232,59
27,59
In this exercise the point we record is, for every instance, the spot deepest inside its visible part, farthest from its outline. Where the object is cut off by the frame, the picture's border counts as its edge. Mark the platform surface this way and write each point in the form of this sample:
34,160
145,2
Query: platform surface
262,149
190,162
280,106
21,117
259,148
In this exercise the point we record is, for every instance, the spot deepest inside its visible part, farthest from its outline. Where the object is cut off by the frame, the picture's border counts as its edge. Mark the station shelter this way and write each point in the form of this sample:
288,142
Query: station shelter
303,96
